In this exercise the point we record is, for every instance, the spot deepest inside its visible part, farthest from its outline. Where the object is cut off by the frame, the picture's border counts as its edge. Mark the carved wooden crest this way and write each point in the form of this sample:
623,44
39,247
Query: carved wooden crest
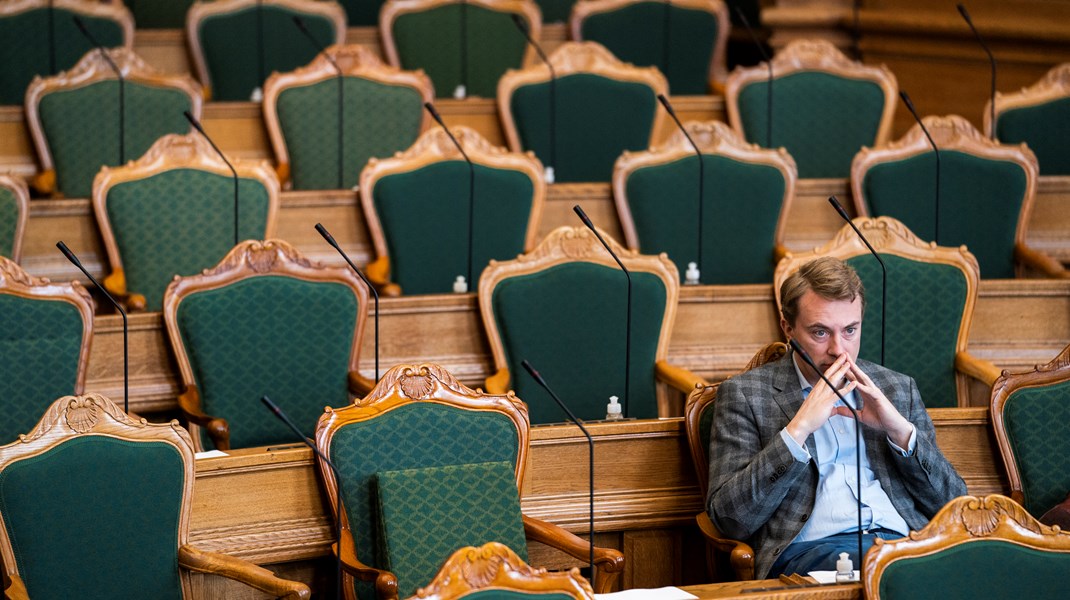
495,565
1053,85
11,273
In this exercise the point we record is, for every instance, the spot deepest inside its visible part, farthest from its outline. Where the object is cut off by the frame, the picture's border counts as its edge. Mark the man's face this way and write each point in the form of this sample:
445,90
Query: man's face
825,329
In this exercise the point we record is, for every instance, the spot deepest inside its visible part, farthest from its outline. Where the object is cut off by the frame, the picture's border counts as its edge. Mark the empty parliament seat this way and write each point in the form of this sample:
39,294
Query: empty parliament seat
1039,116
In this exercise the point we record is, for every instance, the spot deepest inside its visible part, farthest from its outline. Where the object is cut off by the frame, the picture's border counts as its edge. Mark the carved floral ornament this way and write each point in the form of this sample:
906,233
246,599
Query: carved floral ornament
260,257
11,272
981,516
82,414
416,382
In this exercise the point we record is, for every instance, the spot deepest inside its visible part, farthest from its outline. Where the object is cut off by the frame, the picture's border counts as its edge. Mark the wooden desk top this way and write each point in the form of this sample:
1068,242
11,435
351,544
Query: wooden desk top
772,589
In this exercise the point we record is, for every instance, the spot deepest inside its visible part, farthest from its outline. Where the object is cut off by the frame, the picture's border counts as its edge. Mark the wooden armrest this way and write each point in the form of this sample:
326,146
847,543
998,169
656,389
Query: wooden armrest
16,590
189,402
378,272
386,583
359,384
678,377
608,561
282,171
44,182
498,383
981,370
741,555
1040,261
240,570
115,283
779,252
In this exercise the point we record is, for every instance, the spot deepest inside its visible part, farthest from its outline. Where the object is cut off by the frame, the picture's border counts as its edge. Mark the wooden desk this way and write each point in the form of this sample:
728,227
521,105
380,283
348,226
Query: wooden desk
772,589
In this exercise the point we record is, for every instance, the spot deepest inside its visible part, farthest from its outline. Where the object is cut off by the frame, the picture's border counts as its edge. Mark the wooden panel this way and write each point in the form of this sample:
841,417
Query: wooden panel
772,589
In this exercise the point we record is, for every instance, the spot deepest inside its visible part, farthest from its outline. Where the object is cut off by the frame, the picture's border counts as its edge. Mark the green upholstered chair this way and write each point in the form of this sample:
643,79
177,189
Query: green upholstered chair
494,572
14,211
463,45
382,114
975,547
362,13
72,147
237,44
746,195
1039,116
425,255
684,39
1029,415
45,332
171,212
264,321
36,43
825,106
932,291
159,14
97,505
420,418
603,107
986,193
563,307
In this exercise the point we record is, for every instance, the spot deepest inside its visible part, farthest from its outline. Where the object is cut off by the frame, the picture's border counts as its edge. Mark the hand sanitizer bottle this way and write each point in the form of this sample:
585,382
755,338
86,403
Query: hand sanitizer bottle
691,276
460,286
613,410
845,570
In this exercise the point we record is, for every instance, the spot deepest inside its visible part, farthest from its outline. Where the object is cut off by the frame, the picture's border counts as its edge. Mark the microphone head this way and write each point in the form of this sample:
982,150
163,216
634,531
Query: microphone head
268,403
80,24
531,370
434,113
583,216
910,105
300,23
520,23
665,102
193,121
67,252
799,349
965,14
326,234
839,208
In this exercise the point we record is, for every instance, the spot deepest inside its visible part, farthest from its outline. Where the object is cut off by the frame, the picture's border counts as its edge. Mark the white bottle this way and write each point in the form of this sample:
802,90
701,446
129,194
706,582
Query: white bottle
460,286
613,410
460,92
691,276
548,173
845,569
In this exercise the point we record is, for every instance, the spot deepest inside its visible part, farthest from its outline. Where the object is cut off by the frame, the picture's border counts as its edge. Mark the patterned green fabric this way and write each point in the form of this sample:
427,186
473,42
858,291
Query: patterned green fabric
9,221
430,40
362,13
40,341
178,223
992,569
97,515
230,44
678,41
26,50
425,515
568,322
159,14
514,595
925,304
555,11
596,120
823,120
740,209
980,202
1035,420
379,119
421,434
270,335
427,254
1045,129
81,146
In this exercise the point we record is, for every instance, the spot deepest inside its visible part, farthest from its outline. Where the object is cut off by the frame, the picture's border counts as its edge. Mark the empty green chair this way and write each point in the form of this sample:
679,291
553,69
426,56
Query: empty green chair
1039,116
14,212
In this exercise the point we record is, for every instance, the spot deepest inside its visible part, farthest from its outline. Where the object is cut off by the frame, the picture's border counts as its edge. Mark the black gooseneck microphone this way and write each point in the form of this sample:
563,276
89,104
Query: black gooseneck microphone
330,240
701,172
936,152
197,126
122,85
341,92
275,410
126,327
520,25
590,454
858,439
628,325
991,61
471,184
884,270
769,83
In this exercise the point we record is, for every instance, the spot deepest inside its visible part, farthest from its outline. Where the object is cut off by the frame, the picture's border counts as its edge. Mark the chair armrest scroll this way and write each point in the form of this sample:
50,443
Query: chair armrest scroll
16,590
741,555
779,252
498,383
359,384
240,570
1040,261
378,272
189,402
979,369
115,283
678,377
386,583
610,562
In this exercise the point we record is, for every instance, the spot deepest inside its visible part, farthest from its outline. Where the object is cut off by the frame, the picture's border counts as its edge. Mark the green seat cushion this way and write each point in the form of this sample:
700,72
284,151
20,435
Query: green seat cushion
271,335
1036,419
596,120
427,254
426,514
1045,128
159,14
180,222
498,594
823,120
379,119
568,321
740,209
555,11
980,202
9,221
362,13
97,515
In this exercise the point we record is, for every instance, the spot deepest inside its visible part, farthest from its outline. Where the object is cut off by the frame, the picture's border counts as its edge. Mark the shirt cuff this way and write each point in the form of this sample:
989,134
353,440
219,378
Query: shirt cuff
911,444
800,453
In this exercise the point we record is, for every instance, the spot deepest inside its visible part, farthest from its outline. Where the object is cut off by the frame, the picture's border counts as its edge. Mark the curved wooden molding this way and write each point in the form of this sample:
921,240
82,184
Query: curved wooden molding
21,193
495,566
1055,84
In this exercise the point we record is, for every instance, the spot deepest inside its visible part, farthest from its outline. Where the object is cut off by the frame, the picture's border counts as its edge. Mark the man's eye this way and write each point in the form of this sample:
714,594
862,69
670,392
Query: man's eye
820,333
851,330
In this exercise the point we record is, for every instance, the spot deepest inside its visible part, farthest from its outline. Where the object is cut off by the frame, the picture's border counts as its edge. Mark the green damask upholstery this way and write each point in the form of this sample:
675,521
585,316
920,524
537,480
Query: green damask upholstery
425,514
431,40
380,119
126,547
80,146
25,51
741,207
428,253
180,222
159,14
362,13
9,220
597,119
980,202
568,322
1044,129
513,595
822,119
1035,419
925,305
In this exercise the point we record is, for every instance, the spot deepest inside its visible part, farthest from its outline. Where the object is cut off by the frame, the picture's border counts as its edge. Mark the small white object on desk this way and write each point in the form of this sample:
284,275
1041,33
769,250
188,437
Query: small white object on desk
460,286
665,593
613,410
460,92
691,276
549,174
257,95
209,454
830,576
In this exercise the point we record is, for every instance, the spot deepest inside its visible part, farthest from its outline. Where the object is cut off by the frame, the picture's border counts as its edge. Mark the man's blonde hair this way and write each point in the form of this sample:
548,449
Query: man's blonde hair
828,277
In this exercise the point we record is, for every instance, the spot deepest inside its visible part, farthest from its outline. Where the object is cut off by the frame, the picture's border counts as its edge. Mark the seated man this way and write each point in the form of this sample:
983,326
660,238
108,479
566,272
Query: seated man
782,450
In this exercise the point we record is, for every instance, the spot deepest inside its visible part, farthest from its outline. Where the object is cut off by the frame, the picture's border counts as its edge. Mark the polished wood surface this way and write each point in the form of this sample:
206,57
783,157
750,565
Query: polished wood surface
772,589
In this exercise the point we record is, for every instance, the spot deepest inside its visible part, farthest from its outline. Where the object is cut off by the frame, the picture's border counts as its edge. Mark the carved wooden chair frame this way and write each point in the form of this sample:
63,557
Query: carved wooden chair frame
91,69
171,152
963,520
71,417
1055,84
718,68
354,61
249,259
712,137
434,146
571,58
405,384
200,11
21,193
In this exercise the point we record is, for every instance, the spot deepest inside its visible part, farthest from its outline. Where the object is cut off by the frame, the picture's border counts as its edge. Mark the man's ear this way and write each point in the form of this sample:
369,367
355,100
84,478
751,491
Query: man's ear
786,328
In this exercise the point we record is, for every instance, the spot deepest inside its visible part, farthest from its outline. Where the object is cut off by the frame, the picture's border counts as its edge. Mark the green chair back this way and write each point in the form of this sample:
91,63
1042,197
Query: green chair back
1044,127
14,206
555,11
1034,419
159,14
362,13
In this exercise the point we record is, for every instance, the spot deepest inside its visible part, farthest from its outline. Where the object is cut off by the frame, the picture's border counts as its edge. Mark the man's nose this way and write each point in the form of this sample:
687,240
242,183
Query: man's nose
835,345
